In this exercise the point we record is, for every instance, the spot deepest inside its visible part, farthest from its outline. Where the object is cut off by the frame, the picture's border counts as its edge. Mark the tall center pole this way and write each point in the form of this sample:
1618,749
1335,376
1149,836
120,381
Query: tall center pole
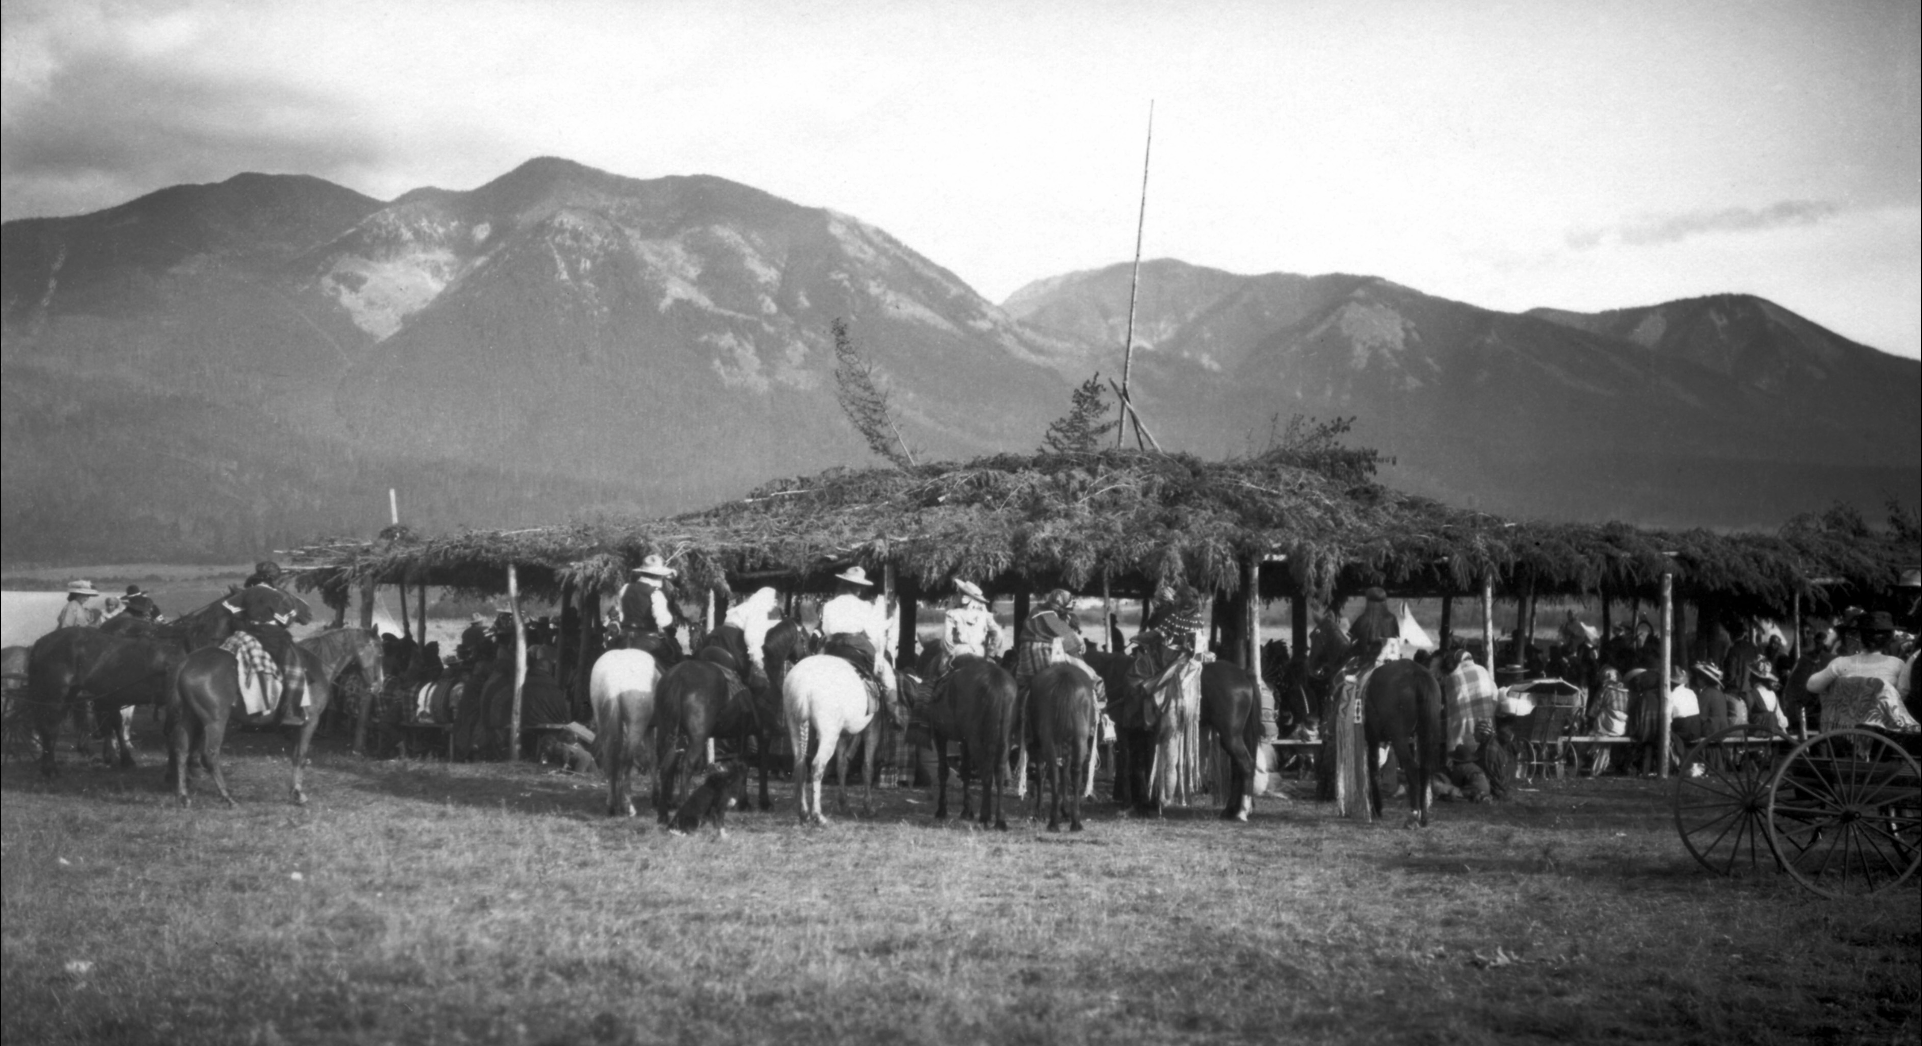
1134,286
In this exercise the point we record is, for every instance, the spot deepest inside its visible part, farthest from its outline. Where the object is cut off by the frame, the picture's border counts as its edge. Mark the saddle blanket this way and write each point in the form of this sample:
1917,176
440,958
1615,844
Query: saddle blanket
259,676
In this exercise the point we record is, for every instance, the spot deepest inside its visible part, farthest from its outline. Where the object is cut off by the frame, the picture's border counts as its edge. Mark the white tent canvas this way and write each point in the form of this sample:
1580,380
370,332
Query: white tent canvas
1413,635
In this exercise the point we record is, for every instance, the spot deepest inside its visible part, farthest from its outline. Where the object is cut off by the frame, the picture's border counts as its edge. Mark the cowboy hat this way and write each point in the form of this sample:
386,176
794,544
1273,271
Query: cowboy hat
1878,621
135,590
654,566
1762,671
1708,671
81,588
854,575
970,590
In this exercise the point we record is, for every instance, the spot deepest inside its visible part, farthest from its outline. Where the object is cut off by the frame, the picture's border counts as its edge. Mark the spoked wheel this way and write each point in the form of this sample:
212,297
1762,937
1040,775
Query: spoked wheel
1845,813
1722,800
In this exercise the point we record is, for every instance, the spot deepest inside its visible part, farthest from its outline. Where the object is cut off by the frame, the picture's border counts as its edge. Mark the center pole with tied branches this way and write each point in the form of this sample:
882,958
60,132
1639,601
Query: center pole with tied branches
1128,412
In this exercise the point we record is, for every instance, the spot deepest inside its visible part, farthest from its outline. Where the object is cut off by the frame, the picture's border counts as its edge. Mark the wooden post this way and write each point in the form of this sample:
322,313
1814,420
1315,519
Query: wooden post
1488,623
520,663
1298,625
1668,654
1251,606
1526,622
1796,642
589,600
1608,626
406,629
367,605
1108,625
1447,622
420,612
907,640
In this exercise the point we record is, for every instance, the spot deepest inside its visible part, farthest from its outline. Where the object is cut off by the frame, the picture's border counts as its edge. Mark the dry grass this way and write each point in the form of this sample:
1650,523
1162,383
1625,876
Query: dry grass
494,904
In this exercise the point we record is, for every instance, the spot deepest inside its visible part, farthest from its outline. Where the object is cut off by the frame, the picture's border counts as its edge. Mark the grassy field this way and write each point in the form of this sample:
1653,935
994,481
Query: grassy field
421,903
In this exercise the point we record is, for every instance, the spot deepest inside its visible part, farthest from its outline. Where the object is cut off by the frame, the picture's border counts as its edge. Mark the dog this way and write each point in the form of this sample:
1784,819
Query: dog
707,804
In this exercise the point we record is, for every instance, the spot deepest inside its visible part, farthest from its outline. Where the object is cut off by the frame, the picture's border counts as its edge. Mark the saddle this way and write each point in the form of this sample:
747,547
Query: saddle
861,657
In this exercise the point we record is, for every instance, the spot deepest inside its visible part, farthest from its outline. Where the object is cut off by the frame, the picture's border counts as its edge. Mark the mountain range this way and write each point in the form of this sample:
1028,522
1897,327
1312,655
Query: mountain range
213,370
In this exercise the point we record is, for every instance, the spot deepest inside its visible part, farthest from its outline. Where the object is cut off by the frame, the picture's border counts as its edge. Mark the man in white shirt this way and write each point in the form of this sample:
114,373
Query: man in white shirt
856,629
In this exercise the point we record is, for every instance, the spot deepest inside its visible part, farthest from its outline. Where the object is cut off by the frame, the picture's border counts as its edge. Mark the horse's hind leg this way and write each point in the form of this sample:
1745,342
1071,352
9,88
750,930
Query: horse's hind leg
216,731
1084,751
1411,777
1373,762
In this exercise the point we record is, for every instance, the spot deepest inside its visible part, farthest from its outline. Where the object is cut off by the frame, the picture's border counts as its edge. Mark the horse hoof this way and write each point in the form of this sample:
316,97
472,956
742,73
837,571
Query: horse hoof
1000,826
300,799
1075,827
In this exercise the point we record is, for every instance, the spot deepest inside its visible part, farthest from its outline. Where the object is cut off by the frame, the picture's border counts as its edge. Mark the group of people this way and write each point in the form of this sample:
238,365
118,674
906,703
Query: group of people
79,612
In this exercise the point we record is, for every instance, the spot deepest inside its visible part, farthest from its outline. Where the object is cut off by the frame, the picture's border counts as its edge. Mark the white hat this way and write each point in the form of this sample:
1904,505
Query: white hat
653,566
81,588
970,590
854,575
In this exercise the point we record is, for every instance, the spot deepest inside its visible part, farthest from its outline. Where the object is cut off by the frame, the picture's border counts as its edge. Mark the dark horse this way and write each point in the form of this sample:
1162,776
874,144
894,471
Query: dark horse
1065,723
697,701
975,706
1229,707
1402,708
78,669
206,692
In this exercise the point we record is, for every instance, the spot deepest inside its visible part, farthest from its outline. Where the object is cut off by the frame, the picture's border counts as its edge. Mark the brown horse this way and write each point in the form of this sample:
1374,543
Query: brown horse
84,670
206,693
1065,722
1134,728
976,706
1229,707
697,701
1402,708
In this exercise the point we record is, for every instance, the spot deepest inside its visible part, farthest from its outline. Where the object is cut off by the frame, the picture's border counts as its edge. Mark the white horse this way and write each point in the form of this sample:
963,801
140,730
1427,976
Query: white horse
622,689
824,696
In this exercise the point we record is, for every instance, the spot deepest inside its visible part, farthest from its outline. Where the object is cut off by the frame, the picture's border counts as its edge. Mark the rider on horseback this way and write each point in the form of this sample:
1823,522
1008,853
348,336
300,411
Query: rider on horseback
970,629
857,630
263,611
648,617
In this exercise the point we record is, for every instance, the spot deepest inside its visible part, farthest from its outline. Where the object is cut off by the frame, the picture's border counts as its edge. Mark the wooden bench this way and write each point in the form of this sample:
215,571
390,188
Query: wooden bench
422,736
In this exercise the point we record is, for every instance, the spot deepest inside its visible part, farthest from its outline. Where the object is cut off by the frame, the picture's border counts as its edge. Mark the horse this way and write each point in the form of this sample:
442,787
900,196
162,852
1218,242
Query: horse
206,690
622,687
82,669
1402,708
976,706
1134,728
1231,707
697,701
825,699
1065,724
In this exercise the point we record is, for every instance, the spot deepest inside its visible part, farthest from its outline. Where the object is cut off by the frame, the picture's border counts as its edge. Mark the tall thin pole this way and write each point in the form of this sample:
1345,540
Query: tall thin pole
1668,658
520,663
1134,286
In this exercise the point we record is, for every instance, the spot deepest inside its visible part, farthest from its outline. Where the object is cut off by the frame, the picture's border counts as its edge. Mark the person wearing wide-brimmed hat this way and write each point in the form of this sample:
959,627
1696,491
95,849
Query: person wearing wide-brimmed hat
263,611
1871,661
648,617
856,629
970,629
138,603
75,613
1764,695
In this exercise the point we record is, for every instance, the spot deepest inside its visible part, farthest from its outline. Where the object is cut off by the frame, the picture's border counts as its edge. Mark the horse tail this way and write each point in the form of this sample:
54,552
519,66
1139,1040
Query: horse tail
1429,735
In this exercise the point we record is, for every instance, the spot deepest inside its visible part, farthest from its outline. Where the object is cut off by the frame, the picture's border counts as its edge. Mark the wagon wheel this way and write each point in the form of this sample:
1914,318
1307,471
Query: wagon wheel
1845,813
1722,798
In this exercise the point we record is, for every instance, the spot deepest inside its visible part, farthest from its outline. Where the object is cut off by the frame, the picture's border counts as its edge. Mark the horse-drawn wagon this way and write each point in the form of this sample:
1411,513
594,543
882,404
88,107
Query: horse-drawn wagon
1839,811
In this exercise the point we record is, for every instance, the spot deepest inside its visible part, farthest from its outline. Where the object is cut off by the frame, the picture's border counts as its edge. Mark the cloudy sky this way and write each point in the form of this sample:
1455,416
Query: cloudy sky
1586,154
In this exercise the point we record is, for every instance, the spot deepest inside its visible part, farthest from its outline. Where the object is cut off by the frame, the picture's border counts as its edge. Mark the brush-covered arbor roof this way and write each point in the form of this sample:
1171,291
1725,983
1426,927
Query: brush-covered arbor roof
1133,520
